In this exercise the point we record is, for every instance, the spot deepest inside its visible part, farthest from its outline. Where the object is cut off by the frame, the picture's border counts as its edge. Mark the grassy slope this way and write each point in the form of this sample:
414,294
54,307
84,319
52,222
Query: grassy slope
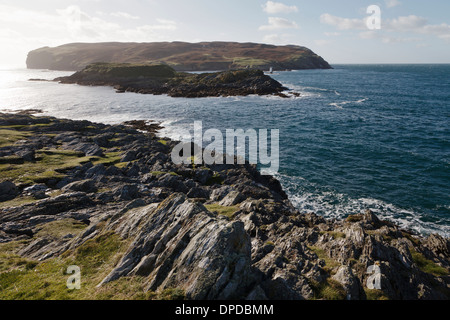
180,55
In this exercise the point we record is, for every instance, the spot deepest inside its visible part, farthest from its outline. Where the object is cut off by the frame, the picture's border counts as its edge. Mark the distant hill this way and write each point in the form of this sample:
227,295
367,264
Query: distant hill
182,56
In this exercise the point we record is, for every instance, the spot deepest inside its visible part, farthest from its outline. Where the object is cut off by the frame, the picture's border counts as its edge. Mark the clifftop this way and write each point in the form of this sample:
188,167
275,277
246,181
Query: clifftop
182,56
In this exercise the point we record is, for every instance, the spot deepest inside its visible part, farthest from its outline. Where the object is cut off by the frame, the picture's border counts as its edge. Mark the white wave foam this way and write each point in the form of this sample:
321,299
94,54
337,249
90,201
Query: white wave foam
335,205
340,105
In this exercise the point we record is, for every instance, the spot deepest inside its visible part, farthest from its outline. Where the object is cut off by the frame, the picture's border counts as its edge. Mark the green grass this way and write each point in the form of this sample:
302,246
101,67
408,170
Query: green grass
19,201
164,142
354,218
130,70
160,173
22,278
330,263
374,294
109,158
427,265
172,294
221,210
328,290
334,234
245,61
49,164
60,228
47,280
8,137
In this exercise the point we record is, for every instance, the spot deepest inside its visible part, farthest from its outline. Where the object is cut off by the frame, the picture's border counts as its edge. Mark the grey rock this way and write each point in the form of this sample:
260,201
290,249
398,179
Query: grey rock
180,244
350,282
26,154
220,193
96,172
129,156
8,191
89,149
232,198
87,186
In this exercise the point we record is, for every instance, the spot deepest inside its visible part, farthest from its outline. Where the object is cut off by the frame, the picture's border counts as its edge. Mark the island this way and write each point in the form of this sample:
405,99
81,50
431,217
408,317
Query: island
182,56
163,79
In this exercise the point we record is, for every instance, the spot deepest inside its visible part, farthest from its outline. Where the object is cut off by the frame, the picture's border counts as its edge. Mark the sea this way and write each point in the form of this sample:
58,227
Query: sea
358,137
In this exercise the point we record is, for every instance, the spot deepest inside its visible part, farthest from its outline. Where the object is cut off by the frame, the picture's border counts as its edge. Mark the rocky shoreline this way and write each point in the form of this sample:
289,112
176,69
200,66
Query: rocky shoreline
162,79
109,200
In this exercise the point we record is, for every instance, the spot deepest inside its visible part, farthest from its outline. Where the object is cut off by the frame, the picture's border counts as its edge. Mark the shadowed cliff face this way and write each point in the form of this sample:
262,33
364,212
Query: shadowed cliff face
109,200
182,56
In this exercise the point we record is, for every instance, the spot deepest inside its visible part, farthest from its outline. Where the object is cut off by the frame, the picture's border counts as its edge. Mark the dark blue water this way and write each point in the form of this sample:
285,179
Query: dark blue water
379,138
360,136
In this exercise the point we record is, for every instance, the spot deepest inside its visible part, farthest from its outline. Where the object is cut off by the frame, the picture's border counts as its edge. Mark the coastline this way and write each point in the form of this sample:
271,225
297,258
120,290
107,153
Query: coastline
282,253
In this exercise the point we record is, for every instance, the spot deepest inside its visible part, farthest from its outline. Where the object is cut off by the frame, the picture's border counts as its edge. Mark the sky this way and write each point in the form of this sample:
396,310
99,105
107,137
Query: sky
410,31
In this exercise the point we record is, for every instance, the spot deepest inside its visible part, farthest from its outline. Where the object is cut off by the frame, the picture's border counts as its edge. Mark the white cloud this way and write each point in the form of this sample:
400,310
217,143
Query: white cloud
277,38
276,23
332,34
408,23
124,15
323,42
392,3
22,30
368,35
404,24
277,7
342,23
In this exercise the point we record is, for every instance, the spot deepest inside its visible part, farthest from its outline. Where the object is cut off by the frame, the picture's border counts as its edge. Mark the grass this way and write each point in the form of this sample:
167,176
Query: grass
17,202
354,218
410,238
330,263
8,137
130,70
427,265
22,278
172,294
164,142
244,61
328,290
374,294
60,228
47,280
49,164
221,210
110,158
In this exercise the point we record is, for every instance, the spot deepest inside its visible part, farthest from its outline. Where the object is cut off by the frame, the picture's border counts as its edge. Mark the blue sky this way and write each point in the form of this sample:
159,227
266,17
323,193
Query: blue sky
412,31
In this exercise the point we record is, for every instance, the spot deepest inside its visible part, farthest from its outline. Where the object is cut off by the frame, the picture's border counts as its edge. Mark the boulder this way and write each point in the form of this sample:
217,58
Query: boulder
8,191
87,186
231,199
350,283
26,154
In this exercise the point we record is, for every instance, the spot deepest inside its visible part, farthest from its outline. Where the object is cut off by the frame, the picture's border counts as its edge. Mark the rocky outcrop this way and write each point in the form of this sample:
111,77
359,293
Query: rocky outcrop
211,231
161,79
180,244
183,56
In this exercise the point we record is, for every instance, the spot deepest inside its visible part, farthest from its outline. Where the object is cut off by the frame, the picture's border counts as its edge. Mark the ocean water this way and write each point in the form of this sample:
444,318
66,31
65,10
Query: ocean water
359,136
